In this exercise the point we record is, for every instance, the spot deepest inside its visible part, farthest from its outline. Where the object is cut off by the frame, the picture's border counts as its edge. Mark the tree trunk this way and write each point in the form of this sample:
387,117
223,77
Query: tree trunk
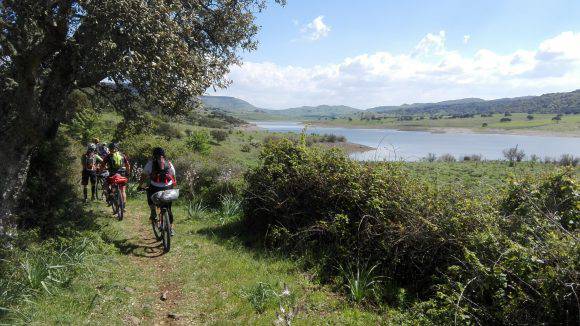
20,132
14,169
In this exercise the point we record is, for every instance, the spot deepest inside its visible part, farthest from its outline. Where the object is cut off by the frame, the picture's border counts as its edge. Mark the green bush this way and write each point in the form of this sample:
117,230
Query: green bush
207,180
198,141
503,259
169,131
219,135
139,147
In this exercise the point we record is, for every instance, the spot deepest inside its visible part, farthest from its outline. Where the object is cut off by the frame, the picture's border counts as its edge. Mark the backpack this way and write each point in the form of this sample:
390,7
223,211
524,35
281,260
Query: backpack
116,161
90,161
160,173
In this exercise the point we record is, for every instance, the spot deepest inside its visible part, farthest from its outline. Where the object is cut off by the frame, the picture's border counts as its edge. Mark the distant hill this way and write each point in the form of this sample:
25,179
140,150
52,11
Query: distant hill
547,103
227,103
317,111
243,109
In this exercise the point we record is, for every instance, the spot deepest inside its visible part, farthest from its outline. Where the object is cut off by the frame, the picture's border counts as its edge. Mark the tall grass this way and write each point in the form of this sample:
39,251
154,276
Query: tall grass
196,209
42,270
360,281
231,208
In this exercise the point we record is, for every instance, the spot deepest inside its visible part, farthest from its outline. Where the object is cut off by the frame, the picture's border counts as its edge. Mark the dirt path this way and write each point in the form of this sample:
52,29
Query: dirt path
147,253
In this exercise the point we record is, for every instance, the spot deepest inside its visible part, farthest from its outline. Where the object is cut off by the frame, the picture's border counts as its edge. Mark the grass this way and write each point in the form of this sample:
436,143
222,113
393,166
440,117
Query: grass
479,176
542,123
208,273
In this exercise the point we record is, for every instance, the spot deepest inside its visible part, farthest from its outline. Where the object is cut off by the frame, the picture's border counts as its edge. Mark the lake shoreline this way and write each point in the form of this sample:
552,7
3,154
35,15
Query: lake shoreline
451,130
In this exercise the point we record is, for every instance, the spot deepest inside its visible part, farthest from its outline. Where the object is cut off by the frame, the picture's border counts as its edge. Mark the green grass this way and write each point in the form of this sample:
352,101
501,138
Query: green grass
542,123
478,176
208,273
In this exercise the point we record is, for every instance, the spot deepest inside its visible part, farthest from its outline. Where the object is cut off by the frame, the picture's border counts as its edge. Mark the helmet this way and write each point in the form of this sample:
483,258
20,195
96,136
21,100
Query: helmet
92,147
114,145
158,152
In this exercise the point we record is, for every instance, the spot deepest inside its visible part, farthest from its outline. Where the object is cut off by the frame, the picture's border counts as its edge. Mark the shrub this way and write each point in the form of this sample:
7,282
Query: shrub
431,157
245,148
219,135
483,125
530,117
510,258
514,155
505,120
198,141
207,180
169,131
569,160
259,296
139,147
447,158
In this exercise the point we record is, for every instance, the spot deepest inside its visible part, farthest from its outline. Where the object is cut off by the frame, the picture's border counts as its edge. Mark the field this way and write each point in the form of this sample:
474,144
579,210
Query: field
542,124
99,270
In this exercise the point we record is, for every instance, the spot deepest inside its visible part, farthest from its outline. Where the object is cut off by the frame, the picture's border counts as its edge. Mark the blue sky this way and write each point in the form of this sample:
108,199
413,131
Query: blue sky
368,53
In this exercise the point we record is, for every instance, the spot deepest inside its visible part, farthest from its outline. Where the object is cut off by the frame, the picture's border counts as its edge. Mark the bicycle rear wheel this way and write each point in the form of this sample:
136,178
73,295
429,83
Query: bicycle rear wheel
166,232
156,229
120,205
114,201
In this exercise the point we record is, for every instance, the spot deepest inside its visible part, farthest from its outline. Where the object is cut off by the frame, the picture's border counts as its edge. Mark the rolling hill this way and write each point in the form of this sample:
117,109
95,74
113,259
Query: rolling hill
243,109
548,103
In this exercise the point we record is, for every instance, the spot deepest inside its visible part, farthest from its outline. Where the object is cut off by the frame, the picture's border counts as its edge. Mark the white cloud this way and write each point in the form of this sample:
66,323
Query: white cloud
430,72
431,44
316,29
466,39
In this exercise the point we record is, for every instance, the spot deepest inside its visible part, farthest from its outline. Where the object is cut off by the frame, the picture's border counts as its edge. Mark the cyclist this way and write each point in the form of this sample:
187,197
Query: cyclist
102,149
161,175
89,161
117,163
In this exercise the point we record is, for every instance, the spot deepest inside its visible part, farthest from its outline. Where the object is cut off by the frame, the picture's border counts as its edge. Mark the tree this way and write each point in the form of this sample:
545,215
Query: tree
167,52
514,155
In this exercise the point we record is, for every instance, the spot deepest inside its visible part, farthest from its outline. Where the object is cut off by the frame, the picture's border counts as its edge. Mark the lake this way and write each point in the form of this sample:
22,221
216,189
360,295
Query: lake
413,145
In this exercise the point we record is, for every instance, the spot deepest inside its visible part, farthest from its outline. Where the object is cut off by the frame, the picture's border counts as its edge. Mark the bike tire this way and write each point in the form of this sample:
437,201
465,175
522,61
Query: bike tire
114,204
166,232
156,229
98,186
119,200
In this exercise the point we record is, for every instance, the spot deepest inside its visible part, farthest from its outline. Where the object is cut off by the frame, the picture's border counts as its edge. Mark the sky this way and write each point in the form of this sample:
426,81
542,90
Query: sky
370,53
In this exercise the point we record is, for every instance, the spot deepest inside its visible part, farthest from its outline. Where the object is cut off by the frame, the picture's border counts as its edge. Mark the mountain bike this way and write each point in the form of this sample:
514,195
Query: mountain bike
101,190
160,223
116,182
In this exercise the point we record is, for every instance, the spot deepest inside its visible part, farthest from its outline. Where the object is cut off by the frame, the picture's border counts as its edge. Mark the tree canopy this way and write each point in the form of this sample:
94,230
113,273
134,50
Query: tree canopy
166,51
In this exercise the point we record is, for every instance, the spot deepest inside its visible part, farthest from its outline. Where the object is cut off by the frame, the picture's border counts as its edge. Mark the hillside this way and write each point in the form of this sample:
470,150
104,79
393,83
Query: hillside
227,103
317,111
553,103
245,110
547,103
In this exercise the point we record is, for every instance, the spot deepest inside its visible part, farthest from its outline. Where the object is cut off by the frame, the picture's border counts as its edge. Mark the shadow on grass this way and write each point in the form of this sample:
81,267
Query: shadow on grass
145,248
238,235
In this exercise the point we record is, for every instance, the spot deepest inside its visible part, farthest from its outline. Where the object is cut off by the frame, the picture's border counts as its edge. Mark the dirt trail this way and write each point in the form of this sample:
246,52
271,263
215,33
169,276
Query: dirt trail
147,253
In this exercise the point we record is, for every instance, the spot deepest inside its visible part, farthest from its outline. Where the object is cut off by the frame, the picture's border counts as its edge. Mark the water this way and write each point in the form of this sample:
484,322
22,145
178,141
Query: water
414,145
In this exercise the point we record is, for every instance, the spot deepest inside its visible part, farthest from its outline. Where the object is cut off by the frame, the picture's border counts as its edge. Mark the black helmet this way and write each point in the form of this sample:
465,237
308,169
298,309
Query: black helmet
158,152
114,145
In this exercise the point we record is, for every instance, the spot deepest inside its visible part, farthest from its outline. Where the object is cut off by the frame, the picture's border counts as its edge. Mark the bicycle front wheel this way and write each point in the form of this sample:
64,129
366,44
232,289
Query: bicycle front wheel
166,232
98,185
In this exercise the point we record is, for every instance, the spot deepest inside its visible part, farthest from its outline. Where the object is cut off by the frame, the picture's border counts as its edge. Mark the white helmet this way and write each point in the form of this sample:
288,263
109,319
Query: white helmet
91,147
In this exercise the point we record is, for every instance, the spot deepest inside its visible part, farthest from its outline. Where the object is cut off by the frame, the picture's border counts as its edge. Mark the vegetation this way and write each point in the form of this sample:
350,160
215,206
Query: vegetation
431,242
